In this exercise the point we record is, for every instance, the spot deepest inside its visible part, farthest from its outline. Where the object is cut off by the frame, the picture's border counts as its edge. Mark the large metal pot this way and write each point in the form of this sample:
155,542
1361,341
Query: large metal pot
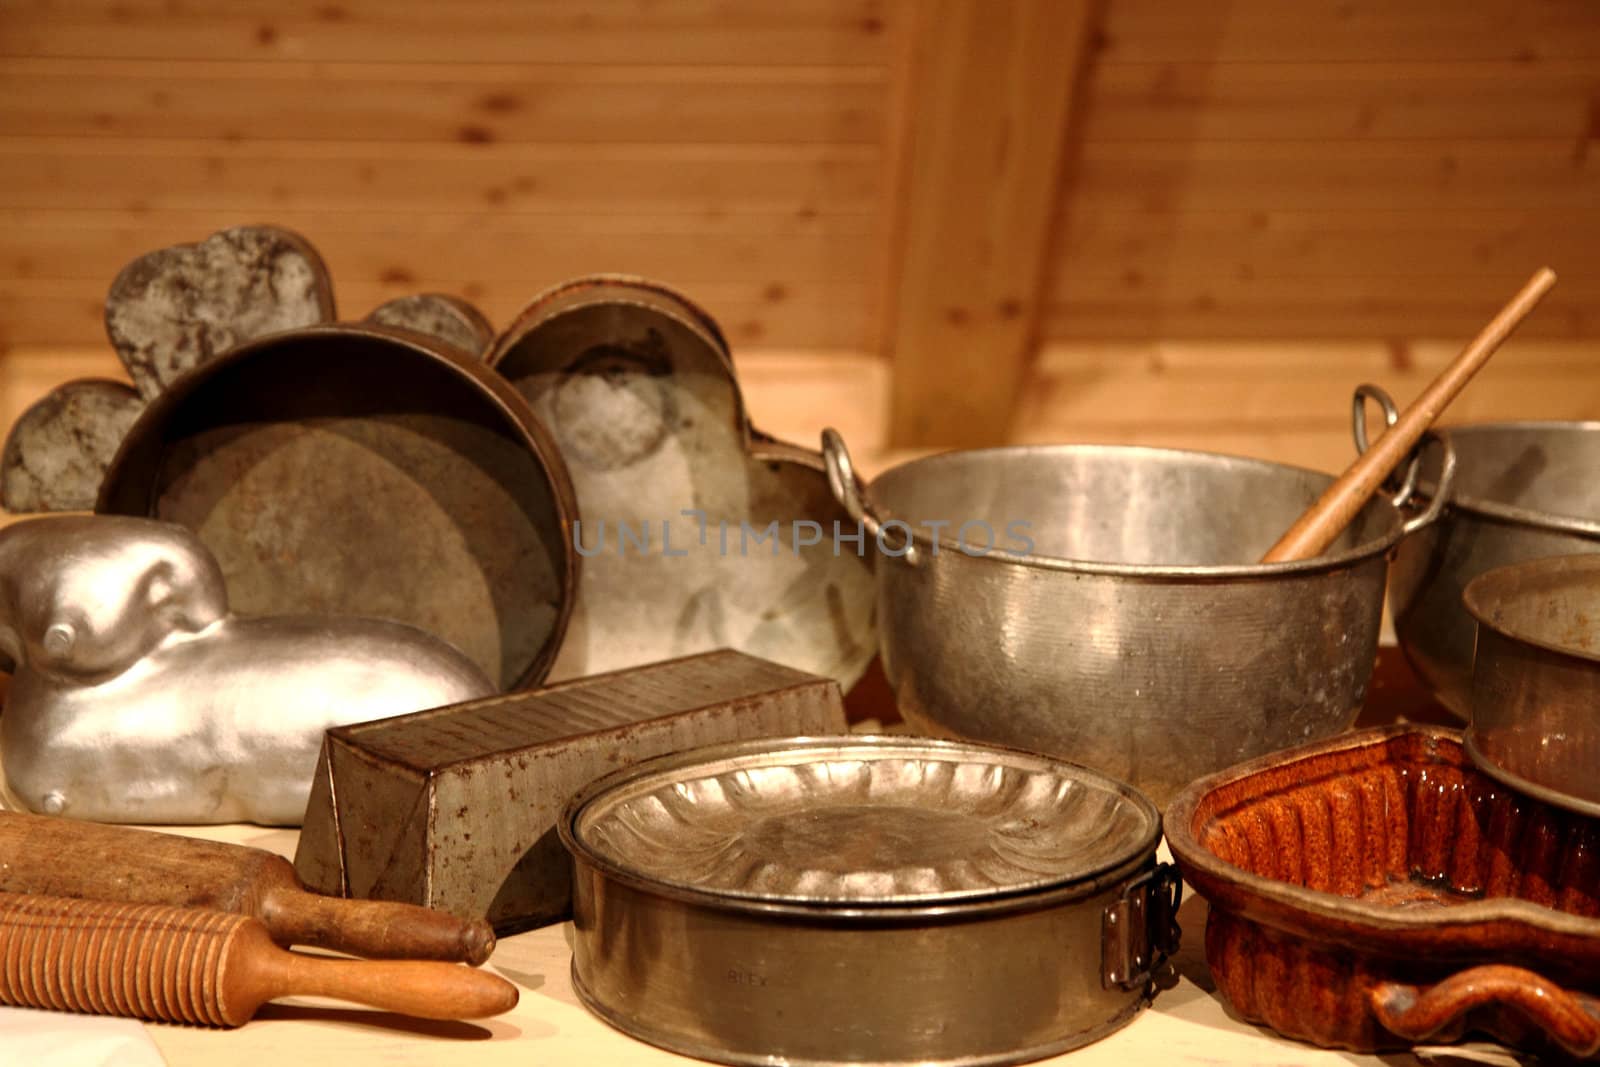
1536,679
1126,627
1526,490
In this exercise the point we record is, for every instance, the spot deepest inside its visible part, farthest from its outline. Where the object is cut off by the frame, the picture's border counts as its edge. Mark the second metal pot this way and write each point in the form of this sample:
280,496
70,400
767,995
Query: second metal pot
1526,490
1116,621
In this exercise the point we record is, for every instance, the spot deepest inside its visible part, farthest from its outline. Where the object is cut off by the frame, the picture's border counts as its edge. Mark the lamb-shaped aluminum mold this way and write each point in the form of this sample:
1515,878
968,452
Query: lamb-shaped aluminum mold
175,309
138,697
376,469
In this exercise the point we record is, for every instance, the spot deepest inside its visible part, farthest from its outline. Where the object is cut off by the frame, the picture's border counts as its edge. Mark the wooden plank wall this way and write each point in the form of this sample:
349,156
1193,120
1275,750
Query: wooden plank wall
483,148
1262,202
1273,201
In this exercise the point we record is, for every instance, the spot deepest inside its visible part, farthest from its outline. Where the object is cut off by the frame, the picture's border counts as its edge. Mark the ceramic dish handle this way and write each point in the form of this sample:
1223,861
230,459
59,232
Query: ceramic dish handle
1408,484
1572,1020
893,537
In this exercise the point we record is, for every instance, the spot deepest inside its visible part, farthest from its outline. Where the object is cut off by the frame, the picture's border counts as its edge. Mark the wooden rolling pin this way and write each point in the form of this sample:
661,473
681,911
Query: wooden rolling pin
195,965
70,858
1339,504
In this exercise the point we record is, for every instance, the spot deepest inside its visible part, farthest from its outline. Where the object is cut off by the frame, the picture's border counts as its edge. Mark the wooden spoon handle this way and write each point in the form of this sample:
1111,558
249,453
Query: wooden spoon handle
1322,523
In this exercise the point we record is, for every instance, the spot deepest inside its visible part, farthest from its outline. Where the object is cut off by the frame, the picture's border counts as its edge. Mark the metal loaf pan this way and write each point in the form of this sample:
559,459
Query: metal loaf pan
456,808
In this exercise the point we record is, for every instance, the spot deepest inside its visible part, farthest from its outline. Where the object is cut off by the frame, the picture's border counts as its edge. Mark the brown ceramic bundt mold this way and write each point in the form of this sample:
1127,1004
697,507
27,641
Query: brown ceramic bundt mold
1377,890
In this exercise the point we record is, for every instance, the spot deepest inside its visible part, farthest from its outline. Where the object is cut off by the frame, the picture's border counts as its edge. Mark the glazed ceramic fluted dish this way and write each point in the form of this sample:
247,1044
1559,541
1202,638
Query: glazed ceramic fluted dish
1377,890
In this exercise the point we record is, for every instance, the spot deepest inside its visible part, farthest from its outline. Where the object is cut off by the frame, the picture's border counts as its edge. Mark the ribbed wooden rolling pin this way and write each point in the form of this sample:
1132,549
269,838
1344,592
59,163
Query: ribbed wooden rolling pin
195,965
1339,504
69,858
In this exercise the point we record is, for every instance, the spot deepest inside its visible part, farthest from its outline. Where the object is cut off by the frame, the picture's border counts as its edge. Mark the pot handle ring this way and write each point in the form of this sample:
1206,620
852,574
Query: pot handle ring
1408,485
852,496
1571,1019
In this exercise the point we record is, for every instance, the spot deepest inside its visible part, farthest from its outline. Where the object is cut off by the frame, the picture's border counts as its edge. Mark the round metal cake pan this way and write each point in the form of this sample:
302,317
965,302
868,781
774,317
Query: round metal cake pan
1524,490
357,470
866,899
1536,678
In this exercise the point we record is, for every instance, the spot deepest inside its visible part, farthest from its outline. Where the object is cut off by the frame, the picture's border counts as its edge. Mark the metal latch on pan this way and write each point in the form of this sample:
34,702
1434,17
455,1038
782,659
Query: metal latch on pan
1140,930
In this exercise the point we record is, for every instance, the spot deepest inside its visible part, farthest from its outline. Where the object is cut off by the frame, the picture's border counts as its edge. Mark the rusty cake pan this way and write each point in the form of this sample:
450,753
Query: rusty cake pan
1536,679
361,470
698,531
456,808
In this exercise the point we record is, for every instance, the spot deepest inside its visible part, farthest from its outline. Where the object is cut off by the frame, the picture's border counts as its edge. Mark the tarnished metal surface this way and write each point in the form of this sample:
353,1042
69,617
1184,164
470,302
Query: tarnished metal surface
1117,620
357,471
444,318
856,919
1536,679
139,698
637,387
178,307
1525,490
456,808
58,450
839,822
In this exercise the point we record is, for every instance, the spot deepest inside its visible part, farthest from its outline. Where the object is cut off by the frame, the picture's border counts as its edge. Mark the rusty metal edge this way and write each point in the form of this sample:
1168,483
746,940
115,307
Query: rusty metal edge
140,448
592,289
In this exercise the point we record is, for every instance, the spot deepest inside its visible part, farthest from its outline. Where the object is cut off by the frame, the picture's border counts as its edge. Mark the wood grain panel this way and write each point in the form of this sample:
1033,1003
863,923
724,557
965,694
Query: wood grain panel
992,87
1353,31
71,312
1282,400
484,147
776,254
260,179
1208,100
754,32
1334,168
1311,175
1303,318
344,102
1148,246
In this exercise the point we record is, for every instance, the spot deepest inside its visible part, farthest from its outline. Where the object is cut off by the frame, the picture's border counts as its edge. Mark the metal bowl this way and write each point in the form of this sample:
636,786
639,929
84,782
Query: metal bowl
1118,621
1525,490
882,900
1536,679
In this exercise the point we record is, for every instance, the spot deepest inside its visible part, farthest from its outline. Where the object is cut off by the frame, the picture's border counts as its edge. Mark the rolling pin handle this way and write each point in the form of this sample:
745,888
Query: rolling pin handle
376,928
